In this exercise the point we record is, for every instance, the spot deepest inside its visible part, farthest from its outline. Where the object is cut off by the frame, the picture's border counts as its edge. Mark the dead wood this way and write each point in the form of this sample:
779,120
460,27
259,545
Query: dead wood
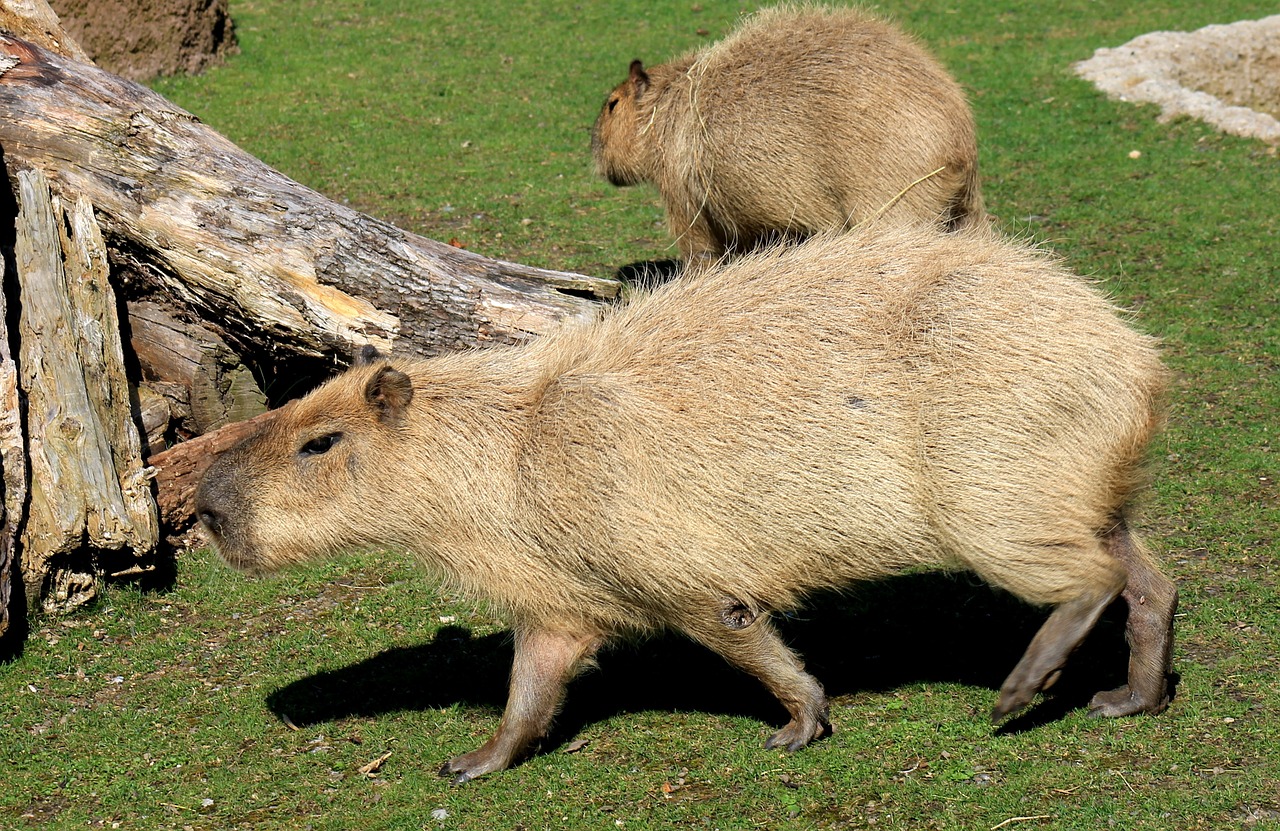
13,466
35,21
219,262
88,490
268,262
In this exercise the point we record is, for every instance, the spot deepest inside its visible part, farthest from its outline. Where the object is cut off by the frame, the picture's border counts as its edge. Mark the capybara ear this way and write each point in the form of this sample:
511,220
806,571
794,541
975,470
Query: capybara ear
389,393
368,354
638,77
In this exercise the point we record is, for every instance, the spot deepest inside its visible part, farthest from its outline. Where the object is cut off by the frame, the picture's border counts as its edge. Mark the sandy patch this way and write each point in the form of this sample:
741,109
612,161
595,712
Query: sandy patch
1227,75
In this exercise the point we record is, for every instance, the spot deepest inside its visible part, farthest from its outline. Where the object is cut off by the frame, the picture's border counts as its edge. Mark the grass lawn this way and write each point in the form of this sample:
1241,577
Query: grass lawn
220,702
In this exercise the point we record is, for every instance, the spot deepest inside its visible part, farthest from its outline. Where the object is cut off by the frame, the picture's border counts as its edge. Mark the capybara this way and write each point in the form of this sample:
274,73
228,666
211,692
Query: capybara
719,449
804,119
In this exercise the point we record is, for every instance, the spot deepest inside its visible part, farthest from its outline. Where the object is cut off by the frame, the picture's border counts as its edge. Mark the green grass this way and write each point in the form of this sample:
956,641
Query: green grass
172,709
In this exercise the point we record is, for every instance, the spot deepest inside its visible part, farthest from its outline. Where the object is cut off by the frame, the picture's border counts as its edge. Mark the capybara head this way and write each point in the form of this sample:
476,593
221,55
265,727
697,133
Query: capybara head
302,485
621,153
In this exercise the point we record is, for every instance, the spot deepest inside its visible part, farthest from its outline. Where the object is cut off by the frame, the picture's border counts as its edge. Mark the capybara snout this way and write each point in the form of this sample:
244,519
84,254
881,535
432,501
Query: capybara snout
322,456
717,450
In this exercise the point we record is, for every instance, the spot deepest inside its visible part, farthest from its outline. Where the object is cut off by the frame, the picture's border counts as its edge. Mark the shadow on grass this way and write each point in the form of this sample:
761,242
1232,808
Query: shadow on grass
915,628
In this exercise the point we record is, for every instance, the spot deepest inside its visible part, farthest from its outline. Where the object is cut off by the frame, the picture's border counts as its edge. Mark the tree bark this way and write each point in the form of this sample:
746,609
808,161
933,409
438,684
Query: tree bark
89,492
35,21
259,257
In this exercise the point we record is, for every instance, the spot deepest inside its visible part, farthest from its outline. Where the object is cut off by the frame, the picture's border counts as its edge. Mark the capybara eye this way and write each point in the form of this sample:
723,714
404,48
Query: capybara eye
613,102
320,444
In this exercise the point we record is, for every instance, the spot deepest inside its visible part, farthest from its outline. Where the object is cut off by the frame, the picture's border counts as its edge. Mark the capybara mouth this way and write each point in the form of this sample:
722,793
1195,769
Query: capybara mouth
251,566
229,552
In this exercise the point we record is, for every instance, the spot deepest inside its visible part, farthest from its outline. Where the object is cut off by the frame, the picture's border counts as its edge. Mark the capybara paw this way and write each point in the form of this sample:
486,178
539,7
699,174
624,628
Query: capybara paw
1122,701
1011,701
798,733
468,766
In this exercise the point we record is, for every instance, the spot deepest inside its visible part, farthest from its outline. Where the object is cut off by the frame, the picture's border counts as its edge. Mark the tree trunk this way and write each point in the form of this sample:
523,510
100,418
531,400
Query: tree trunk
90,509
262,259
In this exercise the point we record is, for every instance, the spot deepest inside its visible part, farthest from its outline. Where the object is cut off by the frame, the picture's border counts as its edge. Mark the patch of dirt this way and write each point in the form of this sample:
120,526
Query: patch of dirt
1227,75
140,39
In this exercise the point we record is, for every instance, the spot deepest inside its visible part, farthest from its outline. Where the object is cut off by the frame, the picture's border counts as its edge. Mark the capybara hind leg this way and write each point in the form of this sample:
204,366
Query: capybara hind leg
1152,600
1053,644
756,648
544,662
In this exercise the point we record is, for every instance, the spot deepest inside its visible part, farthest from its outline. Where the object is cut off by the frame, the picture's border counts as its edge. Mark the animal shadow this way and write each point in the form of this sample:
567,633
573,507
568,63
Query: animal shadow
452,668
887,634
649,274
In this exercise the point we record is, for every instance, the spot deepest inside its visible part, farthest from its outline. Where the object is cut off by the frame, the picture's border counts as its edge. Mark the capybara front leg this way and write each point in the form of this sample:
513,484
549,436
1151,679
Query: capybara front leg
700,248
1053,644
756,648
544,662
1152,601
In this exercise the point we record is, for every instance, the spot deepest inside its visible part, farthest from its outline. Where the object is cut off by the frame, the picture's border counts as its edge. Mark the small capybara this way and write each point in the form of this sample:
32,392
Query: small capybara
804,119
719,449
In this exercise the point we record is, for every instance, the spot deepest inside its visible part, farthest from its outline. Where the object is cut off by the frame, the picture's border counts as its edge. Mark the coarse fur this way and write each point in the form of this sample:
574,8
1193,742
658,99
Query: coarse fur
799,419
804,119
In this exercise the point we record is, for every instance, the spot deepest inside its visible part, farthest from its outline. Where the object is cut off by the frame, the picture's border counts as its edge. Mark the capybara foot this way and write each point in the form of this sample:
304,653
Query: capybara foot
799,732
1123,701
468,766
1009,702
1042,663
1018,692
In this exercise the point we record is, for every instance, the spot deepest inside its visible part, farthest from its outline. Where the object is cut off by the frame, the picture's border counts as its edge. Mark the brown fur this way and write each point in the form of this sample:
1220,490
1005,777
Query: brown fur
715,451
804,119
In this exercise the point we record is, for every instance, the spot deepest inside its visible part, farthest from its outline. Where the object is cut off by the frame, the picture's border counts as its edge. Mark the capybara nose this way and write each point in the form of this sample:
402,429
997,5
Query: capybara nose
211,518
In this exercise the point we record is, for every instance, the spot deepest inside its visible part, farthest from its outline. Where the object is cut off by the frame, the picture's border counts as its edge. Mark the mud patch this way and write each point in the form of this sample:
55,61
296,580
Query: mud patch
140,39
1227,75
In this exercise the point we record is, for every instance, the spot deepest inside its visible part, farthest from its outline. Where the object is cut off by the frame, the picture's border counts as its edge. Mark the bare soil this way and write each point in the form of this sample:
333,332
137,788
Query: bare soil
140,39
1227,75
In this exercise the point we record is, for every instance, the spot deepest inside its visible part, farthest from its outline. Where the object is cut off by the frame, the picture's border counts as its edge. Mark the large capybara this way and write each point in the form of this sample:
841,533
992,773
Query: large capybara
804,119
714,452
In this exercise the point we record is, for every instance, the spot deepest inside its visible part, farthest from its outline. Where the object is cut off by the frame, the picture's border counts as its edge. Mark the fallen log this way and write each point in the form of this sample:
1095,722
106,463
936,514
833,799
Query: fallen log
269,263
38,23
192,368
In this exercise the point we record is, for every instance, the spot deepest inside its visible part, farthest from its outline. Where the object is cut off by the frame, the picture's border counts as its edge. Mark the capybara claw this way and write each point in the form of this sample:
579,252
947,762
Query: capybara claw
447,771
798,734
462,771
1122,702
